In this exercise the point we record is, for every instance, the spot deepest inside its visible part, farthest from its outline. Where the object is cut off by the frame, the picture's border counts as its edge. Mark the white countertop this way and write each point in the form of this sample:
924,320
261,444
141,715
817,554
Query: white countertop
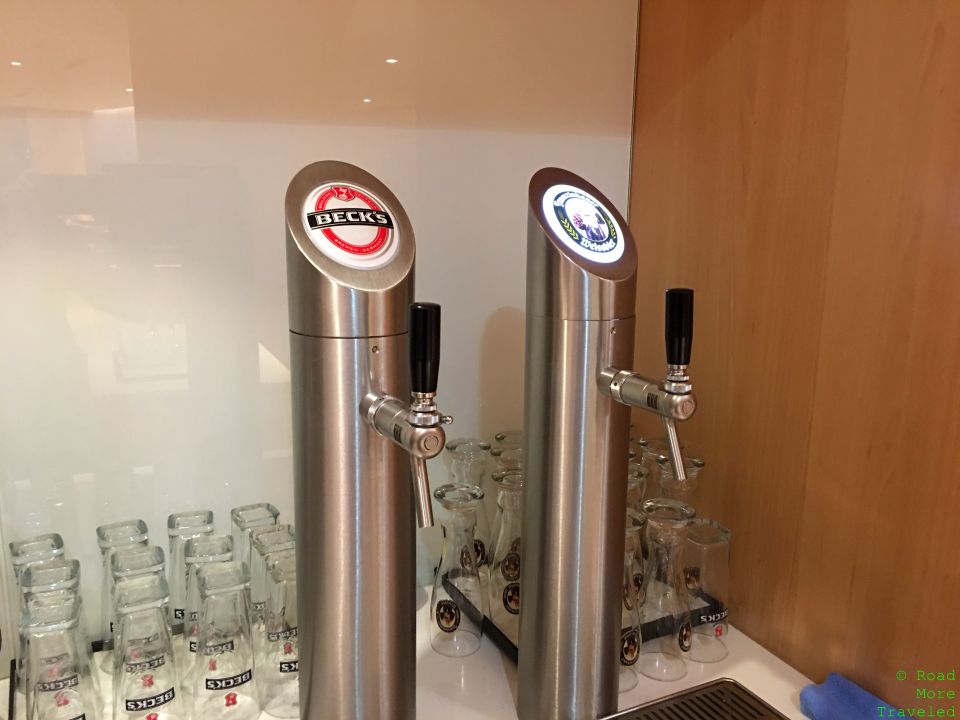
483,686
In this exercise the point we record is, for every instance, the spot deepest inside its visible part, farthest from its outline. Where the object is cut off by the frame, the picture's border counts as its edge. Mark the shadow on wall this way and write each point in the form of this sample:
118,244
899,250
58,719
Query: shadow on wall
501,371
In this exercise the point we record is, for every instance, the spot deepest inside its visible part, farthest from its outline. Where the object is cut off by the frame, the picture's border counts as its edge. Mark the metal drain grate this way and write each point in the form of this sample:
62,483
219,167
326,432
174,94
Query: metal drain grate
718,700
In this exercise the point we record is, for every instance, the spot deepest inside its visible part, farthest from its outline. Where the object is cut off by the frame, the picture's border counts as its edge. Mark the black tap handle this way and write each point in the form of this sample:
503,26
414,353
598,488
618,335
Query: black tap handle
679,326
424,347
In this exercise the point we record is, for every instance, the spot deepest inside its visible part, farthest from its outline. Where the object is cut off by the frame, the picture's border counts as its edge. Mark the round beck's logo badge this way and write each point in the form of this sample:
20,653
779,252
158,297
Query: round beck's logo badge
350,225
583,224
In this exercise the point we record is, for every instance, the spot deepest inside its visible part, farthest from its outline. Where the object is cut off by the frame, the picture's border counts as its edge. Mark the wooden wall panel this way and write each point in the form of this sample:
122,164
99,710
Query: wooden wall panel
799,165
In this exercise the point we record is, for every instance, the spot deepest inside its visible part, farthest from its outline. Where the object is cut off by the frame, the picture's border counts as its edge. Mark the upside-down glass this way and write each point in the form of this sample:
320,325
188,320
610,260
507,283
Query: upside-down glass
60,683
652,449
457,604
505,570
243,520
182,527
279,673
223,678
35,549
264,541
707,574
48,576
469,458
60,593
270,561
681,490
666,605
637,476
146,681
109,538
509,459
197,552
630,609
127,562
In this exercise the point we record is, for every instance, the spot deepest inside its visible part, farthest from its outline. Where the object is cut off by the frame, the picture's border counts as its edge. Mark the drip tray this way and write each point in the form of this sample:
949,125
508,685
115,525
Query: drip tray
718,700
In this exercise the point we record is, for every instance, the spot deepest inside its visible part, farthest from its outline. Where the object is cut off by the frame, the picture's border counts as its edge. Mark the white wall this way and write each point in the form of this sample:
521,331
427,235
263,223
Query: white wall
143,361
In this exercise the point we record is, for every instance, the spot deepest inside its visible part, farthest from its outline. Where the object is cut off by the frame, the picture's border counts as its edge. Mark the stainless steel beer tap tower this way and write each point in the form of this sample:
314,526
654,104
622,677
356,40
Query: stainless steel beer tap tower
581,290
350,272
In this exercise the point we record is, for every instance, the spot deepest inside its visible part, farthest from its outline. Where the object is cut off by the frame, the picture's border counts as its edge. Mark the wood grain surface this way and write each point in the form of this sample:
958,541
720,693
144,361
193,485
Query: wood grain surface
798,164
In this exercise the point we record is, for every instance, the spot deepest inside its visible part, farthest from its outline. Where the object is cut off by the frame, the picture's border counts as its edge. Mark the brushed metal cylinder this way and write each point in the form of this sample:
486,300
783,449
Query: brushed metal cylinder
580,320
574,501
356,555
356,559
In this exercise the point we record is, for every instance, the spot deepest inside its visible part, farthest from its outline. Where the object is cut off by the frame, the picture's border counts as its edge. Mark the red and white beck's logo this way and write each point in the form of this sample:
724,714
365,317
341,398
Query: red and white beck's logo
351,220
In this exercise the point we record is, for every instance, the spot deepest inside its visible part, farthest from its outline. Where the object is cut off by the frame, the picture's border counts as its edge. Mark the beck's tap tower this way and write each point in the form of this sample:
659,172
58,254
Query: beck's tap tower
356,338
581,290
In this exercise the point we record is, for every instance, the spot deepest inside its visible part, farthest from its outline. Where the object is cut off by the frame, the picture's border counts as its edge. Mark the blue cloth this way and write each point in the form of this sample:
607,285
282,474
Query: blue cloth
839,699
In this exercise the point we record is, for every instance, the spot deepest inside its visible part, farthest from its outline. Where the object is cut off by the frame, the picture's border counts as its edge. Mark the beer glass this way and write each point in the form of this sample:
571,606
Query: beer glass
59,681
505,570
681,490
468,465
146,683
666,604
264,541
109,538
180,528
126,562
270,561
197,552
35,549
707,574
630,609
223,674
244,519
457,603
280,669
637,476
49,576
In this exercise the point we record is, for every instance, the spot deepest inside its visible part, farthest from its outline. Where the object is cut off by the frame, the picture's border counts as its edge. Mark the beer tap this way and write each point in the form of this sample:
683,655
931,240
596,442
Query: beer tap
672,400
416,427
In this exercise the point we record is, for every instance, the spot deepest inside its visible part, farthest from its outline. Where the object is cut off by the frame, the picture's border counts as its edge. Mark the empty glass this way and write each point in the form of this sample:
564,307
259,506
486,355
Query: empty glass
468,465
180,528
279,671
666,606
637,519
244,519
146,683
126,562
259,631
60,683
457,605
109,538
49,576
630,610
35,549
200,551
264,541
681,490
506,440
707,574
223,676
509,459
637,476
505,570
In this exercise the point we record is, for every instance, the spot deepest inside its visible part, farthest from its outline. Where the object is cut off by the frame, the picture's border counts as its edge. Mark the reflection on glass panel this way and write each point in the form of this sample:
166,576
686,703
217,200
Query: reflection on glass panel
144,153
